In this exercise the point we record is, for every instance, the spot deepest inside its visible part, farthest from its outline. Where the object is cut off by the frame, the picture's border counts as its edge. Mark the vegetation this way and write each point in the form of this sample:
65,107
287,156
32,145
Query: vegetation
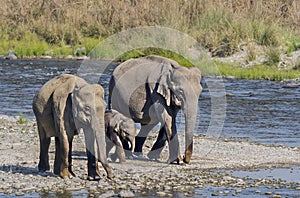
21,119
61,27
258,72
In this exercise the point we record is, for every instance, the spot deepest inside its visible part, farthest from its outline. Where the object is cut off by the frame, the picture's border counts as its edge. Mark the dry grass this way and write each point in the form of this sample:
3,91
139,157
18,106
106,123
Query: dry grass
219,25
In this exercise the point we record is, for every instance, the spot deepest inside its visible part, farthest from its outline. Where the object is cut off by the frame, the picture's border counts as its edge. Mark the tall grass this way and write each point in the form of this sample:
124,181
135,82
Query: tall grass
219,25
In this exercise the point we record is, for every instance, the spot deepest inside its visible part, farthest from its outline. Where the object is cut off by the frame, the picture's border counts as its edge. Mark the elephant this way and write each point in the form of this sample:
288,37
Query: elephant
63,106
152,90
120,132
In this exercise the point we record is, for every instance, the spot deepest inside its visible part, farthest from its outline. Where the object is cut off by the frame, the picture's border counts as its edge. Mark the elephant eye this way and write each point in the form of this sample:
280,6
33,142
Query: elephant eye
87,109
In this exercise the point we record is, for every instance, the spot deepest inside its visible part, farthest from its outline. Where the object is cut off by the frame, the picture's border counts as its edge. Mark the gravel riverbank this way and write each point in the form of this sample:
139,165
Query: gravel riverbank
19,148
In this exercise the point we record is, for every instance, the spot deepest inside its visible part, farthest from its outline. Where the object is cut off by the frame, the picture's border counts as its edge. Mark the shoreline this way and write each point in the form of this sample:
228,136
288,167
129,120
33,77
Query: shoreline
19,146
290,77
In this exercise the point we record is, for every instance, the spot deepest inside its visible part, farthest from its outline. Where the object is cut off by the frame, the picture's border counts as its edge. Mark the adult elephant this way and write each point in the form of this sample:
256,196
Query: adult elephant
152,90
62,107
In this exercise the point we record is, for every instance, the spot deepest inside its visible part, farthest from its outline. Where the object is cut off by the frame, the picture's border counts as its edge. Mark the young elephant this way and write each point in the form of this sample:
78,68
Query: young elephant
120,131
62,107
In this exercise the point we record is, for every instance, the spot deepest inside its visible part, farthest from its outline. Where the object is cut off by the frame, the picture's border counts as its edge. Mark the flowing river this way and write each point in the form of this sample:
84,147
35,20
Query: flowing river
257,111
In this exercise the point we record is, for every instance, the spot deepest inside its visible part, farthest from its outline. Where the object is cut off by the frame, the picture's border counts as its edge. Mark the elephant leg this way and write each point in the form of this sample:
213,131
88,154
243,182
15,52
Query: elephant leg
70,156
64,150
119,150
57,160
93,170
106,167
44,148
158,145
109,145
174,150
141,138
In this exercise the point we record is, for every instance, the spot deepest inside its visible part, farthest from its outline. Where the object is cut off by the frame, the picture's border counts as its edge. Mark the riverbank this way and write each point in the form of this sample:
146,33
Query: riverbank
19,147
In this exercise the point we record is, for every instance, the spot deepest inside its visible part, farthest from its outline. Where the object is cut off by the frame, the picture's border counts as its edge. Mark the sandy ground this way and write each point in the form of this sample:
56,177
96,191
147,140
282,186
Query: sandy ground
19,147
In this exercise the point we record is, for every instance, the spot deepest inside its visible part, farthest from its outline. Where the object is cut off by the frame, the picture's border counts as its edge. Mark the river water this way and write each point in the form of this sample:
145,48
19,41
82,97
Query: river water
258,111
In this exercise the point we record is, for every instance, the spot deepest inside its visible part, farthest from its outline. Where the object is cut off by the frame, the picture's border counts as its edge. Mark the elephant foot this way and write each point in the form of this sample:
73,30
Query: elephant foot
93,172
72,173
177,161
187,159
94,178
108,170
152,155
113,157
65,173
56,172
138,155
43,167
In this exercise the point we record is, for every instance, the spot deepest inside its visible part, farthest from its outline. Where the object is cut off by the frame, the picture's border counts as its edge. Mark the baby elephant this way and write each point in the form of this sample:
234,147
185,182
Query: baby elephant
121,132
62,107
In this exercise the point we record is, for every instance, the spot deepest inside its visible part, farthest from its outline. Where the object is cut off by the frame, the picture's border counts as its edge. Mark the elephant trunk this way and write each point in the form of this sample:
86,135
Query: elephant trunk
98,126
190,113
132,141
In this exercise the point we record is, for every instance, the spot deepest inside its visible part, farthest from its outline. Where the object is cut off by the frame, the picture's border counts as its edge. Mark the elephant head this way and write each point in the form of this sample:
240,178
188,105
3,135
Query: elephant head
121,131
181,88
88,107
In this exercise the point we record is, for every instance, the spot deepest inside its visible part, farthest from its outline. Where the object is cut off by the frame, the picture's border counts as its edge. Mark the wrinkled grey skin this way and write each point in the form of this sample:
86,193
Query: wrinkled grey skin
62,107
120,132
152,90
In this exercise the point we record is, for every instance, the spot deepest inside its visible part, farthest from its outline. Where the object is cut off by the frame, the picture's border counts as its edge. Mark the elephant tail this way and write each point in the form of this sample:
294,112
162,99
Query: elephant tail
111,88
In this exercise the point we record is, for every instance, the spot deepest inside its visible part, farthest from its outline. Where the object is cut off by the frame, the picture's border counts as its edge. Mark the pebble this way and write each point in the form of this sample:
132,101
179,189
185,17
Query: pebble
276,196
268,193
126,193
161,194
107,194
19,193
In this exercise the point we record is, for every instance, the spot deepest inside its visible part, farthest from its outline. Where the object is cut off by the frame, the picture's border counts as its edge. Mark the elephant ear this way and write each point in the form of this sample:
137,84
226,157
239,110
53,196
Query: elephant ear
60,96
115,122
175,100
163,83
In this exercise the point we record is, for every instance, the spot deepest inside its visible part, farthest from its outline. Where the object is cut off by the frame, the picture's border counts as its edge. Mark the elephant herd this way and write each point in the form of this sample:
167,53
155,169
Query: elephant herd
147,90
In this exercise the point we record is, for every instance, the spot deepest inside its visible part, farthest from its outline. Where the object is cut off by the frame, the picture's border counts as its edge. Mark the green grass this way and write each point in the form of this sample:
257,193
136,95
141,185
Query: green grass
258,72
21,119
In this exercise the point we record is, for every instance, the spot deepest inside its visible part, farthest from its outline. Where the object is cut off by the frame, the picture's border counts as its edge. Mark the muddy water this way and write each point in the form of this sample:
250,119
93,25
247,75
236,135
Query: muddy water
259,111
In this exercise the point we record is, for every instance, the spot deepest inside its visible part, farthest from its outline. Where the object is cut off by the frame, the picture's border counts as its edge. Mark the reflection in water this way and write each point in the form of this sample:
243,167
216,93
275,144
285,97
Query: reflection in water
261,111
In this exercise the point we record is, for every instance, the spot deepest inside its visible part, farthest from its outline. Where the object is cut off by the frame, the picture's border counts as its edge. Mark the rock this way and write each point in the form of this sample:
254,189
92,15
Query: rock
11,55
161,194
107,194
82,58
19,193
291,85
126,193
229,95
276,196
167,188
46,57
69,57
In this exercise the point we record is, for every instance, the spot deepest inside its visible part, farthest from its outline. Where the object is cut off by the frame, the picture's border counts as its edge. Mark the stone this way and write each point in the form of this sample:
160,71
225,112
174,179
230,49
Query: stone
125,193
107,194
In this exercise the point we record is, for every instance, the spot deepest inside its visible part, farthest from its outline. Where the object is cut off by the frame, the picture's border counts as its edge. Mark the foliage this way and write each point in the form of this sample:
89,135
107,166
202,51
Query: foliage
21,119
258,72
